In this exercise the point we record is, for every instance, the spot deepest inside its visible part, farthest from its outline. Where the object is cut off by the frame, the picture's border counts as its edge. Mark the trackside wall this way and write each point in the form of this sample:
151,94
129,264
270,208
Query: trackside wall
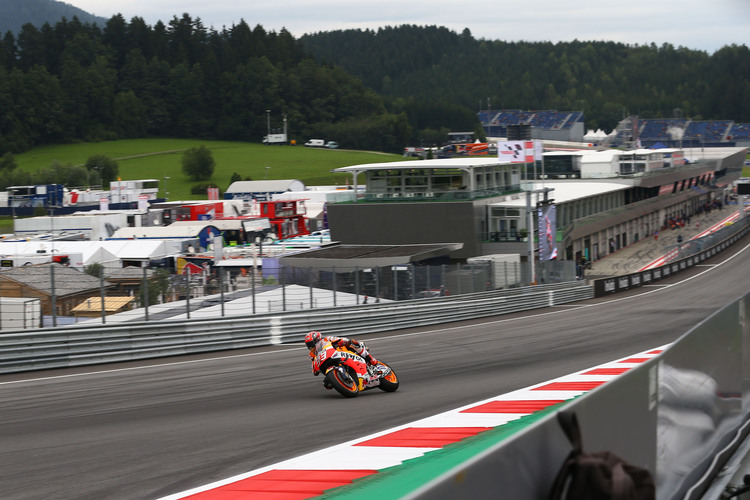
681,415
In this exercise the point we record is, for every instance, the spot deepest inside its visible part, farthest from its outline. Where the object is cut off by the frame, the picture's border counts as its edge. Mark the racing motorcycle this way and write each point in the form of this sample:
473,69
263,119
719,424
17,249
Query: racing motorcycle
350,374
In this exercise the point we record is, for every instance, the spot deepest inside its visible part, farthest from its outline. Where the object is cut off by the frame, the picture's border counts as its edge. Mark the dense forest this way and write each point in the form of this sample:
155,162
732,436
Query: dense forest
381,90
432,72
76,81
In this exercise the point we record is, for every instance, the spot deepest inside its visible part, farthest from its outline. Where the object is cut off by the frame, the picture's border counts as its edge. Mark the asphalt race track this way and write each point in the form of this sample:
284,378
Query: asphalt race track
145,430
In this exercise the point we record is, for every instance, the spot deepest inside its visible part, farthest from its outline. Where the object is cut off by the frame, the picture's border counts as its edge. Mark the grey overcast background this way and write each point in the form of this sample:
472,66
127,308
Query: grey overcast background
695,24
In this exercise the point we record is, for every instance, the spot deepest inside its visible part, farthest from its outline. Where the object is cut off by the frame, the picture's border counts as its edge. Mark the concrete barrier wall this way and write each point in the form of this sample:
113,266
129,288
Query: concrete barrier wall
680,415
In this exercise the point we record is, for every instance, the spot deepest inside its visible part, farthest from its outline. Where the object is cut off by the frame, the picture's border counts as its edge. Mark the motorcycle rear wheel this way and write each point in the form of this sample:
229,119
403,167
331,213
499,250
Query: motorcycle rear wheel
389,383
346,386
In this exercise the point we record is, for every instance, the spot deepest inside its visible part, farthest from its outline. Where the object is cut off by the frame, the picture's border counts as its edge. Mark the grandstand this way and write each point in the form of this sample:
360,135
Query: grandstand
681,133
545,124
670,132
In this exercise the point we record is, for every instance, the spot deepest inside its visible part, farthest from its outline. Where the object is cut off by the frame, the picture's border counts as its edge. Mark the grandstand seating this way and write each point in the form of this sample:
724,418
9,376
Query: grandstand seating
660,129
651,130
547,119
739,131
707,131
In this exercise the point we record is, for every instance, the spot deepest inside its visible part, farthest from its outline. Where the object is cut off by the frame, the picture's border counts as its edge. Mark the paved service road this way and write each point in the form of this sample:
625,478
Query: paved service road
150,429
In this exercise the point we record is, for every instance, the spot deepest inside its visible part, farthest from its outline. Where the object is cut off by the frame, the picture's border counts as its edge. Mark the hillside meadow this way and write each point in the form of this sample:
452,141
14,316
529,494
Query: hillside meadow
161,159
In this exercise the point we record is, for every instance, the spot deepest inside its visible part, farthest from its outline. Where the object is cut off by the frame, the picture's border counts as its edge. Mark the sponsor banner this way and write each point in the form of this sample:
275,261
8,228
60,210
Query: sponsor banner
547,226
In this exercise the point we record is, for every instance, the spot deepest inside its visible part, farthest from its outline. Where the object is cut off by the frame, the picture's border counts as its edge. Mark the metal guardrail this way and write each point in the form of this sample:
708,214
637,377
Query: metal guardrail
96,344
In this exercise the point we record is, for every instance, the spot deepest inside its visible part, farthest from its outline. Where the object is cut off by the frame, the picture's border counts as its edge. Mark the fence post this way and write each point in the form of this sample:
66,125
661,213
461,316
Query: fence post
394,272
334,286
145,291
252,286
413,280
377,284
283,287
309,270
187,294
221,287
53,298
101,292
356,283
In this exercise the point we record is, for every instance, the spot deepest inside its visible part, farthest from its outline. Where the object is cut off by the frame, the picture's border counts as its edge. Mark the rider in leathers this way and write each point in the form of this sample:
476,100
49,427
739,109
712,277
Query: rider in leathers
314,340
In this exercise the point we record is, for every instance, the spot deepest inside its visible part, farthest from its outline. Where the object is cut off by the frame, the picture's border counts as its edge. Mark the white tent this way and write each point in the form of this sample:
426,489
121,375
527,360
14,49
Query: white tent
104,252
90,251
139,249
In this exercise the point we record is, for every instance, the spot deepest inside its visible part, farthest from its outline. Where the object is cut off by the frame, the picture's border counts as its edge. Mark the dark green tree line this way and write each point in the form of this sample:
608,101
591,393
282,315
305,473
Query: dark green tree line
430,72
367,89
77,81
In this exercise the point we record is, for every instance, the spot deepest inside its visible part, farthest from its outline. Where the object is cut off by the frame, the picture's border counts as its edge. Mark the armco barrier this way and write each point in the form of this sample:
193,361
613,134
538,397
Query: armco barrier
605,286
681,415
86,345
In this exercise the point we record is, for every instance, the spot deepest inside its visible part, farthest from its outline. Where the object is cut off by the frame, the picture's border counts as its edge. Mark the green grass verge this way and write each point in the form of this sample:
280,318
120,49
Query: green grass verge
162,158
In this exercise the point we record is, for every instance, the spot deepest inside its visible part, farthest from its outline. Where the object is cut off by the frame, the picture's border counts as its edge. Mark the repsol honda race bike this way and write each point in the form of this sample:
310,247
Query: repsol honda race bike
350,374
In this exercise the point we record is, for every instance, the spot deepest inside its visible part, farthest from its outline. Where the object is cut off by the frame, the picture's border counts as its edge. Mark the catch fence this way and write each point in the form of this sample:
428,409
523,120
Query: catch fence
51,295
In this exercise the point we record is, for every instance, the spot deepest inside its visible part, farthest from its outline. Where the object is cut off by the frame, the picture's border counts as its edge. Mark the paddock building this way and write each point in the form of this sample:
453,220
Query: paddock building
605,200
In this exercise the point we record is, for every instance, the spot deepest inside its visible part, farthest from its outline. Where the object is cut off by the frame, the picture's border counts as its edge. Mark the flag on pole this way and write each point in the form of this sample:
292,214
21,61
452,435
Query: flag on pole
512,151
519,151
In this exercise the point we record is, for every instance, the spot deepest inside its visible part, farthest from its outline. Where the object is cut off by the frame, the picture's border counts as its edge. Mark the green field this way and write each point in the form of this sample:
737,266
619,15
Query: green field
162,159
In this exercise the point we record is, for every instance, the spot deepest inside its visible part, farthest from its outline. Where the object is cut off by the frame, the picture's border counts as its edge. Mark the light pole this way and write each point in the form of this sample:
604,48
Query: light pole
268,125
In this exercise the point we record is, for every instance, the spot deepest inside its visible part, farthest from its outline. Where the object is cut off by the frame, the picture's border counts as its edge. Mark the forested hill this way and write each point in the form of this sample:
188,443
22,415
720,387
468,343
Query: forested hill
426,69
16,13
76,81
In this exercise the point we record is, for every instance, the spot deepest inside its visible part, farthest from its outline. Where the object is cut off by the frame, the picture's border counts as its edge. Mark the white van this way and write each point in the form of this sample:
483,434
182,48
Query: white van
315,143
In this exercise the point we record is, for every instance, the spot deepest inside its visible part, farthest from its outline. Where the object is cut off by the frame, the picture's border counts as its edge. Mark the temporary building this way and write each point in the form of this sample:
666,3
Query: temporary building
261,190
176,231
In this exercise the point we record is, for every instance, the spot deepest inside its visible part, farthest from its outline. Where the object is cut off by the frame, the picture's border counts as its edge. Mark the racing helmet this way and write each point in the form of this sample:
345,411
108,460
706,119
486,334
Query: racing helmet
312,338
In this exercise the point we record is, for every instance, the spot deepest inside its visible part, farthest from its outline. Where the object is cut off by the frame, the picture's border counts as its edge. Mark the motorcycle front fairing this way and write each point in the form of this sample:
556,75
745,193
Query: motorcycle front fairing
330,358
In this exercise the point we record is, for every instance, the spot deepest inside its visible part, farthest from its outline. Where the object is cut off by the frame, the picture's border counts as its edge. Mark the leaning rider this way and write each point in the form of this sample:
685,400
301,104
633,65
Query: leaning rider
314,340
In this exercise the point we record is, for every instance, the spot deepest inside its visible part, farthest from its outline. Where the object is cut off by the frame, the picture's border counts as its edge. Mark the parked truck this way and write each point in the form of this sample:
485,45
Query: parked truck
274,139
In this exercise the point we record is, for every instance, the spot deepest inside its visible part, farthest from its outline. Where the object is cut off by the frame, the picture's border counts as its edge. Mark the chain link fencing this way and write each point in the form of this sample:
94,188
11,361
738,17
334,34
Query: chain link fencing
49,295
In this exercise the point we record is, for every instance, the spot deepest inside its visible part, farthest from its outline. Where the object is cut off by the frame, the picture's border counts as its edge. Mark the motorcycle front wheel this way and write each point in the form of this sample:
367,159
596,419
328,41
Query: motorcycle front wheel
389,383
344,383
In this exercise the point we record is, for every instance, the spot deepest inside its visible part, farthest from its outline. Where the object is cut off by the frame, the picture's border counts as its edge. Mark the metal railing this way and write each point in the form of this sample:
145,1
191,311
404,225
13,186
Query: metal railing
87,345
